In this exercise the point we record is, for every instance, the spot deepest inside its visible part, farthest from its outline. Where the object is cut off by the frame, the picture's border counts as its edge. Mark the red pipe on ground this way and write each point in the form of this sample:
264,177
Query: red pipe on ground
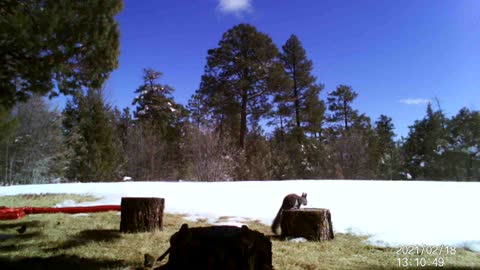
20,212
11,213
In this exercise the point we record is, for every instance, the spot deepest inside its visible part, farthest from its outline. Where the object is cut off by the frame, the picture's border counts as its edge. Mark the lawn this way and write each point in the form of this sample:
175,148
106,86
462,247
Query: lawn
62,241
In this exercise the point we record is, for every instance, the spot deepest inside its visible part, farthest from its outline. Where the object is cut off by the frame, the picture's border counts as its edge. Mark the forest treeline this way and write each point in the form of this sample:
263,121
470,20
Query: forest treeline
248,84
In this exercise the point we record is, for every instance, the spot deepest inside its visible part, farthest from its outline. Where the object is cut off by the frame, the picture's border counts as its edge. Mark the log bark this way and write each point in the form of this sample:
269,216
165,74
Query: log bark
310,223
141,214
219,248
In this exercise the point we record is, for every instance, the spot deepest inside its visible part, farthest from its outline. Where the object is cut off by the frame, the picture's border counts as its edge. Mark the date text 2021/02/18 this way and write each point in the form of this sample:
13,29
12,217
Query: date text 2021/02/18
422,250
423,255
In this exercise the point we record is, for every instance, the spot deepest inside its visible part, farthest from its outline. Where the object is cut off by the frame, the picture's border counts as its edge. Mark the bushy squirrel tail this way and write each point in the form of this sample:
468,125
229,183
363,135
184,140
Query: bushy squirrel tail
276,221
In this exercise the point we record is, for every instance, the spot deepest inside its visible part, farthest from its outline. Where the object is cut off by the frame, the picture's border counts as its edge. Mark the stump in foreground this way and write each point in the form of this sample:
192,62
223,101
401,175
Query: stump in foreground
310,223
218,248
141,214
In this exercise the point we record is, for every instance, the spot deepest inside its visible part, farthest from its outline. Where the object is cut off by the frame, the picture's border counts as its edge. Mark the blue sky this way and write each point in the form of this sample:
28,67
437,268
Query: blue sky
396,54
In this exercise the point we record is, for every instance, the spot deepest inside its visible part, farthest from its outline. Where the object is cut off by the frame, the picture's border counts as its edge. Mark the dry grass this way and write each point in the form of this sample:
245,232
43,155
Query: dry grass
42,200
60,241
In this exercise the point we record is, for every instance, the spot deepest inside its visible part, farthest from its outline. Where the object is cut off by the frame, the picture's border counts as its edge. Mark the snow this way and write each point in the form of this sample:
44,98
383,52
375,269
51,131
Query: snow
440,150
298,240
391,213
229,223
473,149
80,215
66,203
170,106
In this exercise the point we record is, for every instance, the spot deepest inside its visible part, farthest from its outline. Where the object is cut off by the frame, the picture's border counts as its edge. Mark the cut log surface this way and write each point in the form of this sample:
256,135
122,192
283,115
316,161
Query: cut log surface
310,223
219,248
141,214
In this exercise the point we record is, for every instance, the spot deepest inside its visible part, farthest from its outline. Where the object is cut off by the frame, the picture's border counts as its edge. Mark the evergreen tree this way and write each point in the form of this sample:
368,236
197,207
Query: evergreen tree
47,43
258,159
89,131
155,105
282,166
422,148
314,111
160,122
302,97
340,105
279,119
198,111
349,138
299,111
463,150
240,77
123,127
385,152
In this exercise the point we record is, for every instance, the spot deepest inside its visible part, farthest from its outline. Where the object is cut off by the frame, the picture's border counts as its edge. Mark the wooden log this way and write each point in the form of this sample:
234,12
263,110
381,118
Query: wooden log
218,248
141,214
310,223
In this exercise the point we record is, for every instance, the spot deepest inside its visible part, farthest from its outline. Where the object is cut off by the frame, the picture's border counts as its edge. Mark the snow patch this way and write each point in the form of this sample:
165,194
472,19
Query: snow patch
297,240
473,246
66,203
473,149
229,223
80,215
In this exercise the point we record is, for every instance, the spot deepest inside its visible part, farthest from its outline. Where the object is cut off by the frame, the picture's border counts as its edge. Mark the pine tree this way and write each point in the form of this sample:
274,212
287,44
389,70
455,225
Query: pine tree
385,152
463,148
47,43
282,166
89,134
160,121
425,139
349,137
198,111
302,97
340,105
279,119
314,111
241,75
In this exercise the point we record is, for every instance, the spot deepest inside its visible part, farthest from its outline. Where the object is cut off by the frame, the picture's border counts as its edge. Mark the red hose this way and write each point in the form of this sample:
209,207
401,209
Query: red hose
19,212
11,213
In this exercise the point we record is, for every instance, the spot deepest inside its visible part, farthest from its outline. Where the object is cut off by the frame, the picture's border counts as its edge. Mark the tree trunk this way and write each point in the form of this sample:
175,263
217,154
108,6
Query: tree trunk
218,248
243,120
310,223
141,214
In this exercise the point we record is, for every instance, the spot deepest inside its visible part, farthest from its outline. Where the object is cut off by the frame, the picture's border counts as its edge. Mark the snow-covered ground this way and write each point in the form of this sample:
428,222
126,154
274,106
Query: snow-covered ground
392,213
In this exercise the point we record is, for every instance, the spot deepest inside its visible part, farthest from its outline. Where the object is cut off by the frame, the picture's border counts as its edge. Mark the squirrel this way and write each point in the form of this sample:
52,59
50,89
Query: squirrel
291,201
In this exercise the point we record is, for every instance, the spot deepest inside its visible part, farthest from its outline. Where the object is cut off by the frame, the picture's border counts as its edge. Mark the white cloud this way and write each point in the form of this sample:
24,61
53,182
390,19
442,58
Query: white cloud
414,101
237,7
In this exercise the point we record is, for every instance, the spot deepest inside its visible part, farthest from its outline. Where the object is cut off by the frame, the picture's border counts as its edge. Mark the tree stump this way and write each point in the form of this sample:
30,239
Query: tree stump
141,214
218,248
310,223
